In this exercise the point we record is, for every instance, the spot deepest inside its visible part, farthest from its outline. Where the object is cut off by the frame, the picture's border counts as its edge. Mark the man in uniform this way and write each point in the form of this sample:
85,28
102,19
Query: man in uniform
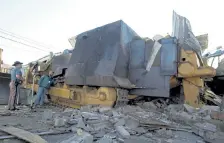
16,79
44,84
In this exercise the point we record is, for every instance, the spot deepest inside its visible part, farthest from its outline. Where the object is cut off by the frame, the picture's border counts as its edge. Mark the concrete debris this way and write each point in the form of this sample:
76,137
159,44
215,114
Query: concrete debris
120,122
104,109
149,105
72,121
189,108
145,123
59,122
105,139
137,140
174,108
217,115
205,130
80,137
131,123
206,126
115,114
81,124
86,108
122,131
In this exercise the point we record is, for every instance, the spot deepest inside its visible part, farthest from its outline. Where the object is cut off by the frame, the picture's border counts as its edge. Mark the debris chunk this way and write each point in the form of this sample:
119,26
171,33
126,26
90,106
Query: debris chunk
80,137
47,115
189,108
122,131
104,109
205,130
105,139
59,122
217,115
131,123
120,122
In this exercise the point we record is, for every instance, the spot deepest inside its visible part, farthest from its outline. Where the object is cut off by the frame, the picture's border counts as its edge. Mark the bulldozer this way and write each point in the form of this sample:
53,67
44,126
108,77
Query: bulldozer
111,65
4,82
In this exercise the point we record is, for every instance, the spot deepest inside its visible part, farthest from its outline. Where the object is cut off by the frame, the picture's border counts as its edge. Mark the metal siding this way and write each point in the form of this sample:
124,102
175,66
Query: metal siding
4,88
168,57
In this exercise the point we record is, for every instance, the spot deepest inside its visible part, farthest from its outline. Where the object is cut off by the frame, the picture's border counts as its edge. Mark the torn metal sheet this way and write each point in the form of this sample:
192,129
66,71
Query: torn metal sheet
183,32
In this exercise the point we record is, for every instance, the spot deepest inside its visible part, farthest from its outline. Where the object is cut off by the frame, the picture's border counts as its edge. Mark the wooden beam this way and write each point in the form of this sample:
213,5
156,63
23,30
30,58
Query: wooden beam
24,135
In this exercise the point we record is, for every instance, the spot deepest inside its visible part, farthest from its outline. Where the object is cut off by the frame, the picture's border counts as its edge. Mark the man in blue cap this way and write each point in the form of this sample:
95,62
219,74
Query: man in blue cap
16,79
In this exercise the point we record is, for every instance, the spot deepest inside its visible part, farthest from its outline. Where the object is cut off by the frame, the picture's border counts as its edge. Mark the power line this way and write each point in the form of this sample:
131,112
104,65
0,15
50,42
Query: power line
24,38
12,47
23,43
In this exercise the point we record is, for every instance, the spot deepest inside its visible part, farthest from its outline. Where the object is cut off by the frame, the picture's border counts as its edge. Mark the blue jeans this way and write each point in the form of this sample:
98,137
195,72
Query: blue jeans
40,96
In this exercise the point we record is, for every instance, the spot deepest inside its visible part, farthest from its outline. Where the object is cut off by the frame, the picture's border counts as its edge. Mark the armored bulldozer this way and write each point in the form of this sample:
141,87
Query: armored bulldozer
111,64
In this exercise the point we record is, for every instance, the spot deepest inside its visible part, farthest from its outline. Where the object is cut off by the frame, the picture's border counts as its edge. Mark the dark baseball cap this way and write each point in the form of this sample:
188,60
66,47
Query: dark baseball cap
17,63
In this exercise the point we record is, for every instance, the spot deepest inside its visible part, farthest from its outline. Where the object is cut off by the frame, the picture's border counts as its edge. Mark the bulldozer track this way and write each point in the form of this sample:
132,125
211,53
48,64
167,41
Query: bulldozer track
122,97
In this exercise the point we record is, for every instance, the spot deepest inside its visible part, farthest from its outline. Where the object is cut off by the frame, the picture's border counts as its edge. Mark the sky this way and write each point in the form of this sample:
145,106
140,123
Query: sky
50,23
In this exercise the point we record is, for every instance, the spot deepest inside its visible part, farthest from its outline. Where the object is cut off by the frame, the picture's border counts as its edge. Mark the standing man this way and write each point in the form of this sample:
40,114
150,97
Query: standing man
44,84
16,79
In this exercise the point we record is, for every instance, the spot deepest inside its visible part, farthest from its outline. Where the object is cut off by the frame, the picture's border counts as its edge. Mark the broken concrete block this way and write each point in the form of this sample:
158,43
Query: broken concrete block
100,134
189,108
115,114
86,108
200,141
59,122
174,108
205,130
148,135
69,110
169,141
149,105
209,108
217,115
120,122
104,109
81,137
130,109
161,131
47,115
72,121
74,128
122,131
134,139
81,124
210,135
101,125
105,140
140,130
169,133
206,126
185,115
131,123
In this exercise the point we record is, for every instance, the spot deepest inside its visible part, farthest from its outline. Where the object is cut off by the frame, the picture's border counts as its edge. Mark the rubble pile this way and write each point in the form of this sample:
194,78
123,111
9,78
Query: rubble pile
147,122
175,123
